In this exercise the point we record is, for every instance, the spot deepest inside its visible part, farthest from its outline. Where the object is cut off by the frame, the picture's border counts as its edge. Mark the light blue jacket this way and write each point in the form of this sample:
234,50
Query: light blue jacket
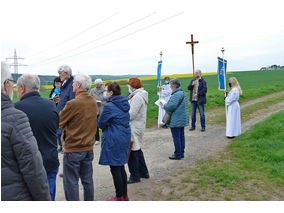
180,116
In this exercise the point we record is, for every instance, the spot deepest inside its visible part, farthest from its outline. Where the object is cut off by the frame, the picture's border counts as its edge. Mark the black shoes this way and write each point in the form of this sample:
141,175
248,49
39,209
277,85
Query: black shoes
146,176
130,181
230,137
192,129
173,157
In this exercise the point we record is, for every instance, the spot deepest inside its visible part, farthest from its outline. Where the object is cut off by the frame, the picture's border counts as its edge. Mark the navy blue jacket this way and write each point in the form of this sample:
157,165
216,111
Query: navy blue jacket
66,94
202,90
114,121
44,121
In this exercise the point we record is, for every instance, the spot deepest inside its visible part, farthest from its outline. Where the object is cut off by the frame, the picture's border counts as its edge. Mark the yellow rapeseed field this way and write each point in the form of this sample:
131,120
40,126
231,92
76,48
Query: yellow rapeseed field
149,78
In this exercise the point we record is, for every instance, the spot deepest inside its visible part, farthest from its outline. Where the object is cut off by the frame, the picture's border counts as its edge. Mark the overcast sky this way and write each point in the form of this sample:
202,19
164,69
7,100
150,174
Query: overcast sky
126,37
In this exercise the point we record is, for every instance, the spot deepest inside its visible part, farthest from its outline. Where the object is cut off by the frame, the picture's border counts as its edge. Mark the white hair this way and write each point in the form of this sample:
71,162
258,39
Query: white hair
65,68
198,70
5,74
98,82
32,82
84,80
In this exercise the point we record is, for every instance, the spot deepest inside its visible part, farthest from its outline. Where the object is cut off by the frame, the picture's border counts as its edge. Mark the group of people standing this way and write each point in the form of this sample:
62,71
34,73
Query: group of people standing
30,131
31,128
174,102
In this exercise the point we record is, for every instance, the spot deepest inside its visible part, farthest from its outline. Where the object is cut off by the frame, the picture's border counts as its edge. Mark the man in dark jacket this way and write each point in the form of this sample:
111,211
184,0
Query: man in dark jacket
44,121
23,176
198,99
67,94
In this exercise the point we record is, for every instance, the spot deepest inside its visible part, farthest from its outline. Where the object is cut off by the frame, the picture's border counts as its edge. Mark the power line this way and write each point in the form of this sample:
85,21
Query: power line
99,38
15,64
76,35
119,38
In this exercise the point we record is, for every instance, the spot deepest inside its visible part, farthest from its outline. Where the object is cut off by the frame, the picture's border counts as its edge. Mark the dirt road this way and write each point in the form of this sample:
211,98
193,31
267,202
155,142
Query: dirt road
157,146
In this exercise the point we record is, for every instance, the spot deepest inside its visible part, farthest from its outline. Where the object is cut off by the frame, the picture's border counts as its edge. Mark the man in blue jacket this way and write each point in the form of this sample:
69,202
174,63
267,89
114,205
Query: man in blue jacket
44,121
67,94
198,99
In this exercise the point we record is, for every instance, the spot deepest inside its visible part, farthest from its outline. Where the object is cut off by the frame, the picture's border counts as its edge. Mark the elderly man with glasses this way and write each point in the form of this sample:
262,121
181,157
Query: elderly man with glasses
23,176
67,94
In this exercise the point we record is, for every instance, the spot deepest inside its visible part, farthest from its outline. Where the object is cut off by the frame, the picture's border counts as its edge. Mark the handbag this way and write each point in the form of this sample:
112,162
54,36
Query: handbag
167,117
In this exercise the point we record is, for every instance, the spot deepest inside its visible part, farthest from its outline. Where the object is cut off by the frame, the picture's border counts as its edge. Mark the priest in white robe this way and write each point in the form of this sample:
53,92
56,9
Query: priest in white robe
164,94
233,123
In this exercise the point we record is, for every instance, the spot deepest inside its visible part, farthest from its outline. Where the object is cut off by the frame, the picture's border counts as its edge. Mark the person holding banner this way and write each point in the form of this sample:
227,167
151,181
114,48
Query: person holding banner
233,124
198,99
164,93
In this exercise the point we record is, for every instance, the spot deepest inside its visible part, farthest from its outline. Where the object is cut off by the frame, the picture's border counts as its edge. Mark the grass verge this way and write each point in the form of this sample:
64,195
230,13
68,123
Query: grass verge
251,168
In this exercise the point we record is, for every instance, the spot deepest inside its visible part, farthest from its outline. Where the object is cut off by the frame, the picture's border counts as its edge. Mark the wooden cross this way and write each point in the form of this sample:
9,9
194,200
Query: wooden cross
192,42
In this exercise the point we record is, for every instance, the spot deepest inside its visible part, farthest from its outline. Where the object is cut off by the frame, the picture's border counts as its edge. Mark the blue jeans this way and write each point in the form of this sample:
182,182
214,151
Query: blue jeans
78,165
194,105
51,177
58,134
179,141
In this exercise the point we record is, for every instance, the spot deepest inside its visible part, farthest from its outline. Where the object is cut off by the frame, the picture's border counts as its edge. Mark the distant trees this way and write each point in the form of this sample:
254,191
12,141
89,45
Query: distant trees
272,67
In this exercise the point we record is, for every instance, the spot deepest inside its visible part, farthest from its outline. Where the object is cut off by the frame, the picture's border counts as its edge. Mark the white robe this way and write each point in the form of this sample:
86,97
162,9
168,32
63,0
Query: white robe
233,124
165,95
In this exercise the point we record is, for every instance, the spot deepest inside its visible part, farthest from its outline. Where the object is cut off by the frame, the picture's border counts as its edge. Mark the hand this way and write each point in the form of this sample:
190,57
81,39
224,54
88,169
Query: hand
162,102
195,96
160,89
56,99
193,82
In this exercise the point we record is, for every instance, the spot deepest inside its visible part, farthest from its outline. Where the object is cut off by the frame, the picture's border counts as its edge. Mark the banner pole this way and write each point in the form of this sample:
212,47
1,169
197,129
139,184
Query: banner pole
225,78
161,54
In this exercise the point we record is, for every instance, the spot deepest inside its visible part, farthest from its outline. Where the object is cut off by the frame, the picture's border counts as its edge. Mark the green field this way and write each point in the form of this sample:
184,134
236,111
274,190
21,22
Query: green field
253,83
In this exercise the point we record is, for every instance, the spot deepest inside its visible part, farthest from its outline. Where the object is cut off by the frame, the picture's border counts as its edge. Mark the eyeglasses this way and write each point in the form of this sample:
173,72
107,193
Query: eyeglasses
11,80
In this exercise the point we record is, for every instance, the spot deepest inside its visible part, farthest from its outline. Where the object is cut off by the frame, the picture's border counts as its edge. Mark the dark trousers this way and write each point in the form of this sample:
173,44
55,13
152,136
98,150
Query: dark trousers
179,141
78,165
51,177
97,136
194,106
119,179
137,165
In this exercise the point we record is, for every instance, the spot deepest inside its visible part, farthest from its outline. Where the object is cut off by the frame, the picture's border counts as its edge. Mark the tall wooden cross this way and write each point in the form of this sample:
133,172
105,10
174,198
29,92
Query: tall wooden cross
192,42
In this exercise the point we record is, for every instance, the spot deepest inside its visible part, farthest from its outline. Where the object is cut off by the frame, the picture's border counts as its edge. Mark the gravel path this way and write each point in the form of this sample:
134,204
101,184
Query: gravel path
157,146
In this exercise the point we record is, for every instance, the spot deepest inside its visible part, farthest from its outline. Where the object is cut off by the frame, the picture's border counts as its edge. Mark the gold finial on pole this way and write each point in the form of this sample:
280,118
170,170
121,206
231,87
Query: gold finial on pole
222,50
161,55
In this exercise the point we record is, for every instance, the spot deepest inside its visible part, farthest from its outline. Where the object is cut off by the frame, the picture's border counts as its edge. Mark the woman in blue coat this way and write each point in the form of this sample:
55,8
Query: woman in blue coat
114,121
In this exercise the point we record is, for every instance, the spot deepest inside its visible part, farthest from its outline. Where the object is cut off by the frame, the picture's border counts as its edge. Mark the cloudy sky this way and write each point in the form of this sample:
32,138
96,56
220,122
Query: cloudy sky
126,37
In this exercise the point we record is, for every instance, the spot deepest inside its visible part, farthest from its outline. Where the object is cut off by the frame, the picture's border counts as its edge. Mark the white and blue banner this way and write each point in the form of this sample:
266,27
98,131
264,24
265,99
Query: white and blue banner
222,72
159,73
